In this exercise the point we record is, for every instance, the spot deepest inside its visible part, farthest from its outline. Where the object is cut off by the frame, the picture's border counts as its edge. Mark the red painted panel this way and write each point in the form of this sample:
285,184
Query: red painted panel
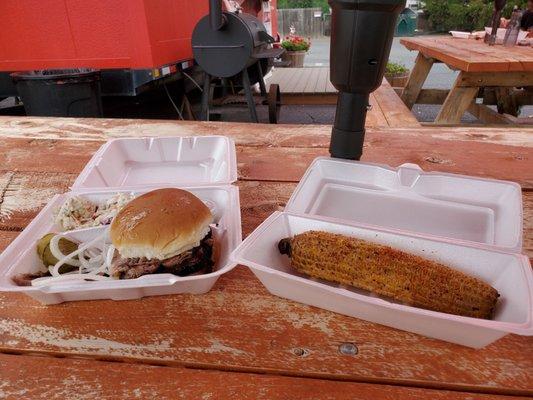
96,33
35,30
170,24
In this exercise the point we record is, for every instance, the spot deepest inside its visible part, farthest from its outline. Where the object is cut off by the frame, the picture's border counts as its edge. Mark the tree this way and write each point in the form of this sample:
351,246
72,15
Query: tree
323,4
465,15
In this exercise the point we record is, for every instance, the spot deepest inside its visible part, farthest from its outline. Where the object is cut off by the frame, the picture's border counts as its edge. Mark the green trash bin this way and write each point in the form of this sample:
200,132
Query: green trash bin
407,22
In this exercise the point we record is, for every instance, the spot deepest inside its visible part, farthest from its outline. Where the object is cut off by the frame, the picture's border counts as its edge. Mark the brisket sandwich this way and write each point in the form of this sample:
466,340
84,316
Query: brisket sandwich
163,231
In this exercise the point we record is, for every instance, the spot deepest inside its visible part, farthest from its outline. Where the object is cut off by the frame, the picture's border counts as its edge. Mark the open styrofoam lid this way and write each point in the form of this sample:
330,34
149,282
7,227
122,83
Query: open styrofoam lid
187,161
484,211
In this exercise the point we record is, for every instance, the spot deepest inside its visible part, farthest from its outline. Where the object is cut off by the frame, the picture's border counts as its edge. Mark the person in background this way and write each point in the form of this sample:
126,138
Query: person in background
526,23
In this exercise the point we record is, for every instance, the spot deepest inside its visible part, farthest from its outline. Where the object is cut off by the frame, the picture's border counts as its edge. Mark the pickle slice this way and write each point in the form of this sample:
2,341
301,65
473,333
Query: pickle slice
46,256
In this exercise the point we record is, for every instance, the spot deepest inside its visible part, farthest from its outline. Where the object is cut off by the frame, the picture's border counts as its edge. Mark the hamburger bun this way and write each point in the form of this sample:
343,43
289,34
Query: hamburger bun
160,224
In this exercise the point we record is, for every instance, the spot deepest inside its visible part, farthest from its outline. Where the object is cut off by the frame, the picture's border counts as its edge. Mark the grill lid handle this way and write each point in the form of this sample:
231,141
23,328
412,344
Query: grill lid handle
265,37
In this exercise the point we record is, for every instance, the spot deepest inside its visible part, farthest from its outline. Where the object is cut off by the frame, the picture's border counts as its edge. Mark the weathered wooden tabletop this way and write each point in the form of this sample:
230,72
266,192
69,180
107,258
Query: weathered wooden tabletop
472,55
239,341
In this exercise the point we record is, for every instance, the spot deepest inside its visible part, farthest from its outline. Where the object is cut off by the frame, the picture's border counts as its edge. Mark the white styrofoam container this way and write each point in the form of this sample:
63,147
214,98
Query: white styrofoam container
456,207
205,166
461,34
187,161
472,224
21,256
509,273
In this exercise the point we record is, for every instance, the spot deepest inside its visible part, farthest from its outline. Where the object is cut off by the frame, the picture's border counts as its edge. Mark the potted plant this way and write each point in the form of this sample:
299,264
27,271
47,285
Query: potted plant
295,49
396,74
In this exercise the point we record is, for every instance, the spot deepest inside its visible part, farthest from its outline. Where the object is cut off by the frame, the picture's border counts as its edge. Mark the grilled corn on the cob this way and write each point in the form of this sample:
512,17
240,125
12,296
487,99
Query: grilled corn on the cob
389,272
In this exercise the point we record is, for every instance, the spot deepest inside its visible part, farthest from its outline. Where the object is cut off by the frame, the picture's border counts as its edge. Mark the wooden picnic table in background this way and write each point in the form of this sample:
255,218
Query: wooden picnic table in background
311,86
480,65
238,340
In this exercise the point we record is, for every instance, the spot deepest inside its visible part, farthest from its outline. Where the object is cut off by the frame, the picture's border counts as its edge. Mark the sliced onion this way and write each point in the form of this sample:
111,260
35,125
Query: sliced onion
56,251
69,257
94,260
109,256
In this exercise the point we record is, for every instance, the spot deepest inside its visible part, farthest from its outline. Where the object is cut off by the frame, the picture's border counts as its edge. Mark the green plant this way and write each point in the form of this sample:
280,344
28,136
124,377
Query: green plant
465,15
395,68
323,4
295,43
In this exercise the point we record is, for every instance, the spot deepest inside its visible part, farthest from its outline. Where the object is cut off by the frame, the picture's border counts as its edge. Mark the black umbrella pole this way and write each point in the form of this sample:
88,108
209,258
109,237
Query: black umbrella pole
348,133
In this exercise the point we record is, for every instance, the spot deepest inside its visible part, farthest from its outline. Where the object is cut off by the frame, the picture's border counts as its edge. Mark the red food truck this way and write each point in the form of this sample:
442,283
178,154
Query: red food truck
132,42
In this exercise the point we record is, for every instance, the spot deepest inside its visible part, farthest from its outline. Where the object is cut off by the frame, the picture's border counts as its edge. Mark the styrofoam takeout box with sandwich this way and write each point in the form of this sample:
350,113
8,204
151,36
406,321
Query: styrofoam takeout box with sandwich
205,166
471,224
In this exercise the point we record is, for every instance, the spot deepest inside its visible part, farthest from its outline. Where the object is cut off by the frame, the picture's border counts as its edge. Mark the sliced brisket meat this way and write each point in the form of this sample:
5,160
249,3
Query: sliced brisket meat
197,259
25,279
131,268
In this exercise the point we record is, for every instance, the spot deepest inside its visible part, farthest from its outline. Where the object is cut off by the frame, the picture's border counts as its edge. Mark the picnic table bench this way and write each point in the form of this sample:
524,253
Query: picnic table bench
311,86
238,340
480,66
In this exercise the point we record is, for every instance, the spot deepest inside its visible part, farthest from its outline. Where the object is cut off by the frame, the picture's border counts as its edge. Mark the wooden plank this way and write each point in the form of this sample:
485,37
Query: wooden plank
416,80
511,79
456,103
245,134
519,60
302,80
328,80
23,194
431,154
310,86
487,115
304,77
53,378
259,200
284,77
329,86
497,162
375,116
239,326
432,96
6,237
263,163
53,156
471,55
463,60
298,76
486,54
395,112
322,80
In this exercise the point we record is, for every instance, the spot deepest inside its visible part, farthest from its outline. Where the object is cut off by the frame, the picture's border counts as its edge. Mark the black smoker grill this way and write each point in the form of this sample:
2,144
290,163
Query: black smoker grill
236,48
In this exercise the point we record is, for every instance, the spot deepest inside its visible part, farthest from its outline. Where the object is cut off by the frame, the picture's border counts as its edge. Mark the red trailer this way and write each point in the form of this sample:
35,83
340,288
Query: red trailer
133,42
